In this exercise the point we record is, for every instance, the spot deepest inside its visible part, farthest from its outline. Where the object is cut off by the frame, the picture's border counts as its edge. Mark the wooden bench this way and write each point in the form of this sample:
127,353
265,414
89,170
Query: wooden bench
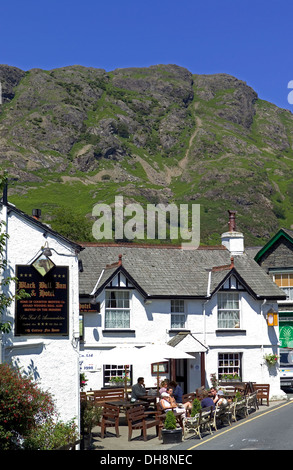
251,402
202,421
110,417
137,418
222,413
109,394
263,392
188,397
239,408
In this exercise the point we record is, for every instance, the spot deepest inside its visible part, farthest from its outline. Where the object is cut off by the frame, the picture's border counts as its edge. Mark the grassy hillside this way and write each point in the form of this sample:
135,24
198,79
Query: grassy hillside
76,136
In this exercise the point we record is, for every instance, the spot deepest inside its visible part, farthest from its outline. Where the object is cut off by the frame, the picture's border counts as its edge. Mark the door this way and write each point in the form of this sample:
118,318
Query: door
181,373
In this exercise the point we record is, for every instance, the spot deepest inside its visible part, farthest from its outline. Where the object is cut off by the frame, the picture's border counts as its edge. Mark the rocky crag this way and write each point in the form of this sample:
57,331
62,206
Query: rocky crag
75,136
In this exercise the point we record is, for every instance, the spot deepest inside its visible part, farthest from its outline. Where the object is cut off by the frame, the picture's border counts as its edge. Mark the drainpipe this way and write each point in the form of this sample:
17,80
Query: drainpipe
202,355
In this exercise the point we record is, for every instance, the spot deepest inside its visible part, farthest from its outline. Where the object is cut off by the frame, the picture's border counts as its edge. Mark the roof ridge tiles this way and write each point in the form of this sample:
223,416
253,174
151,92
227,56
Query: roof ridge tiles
138,245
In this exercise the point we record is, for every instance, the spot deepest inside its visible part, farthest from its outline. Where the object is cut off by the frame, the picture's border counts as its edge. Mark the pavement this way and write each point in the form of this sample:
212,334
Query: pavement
121,443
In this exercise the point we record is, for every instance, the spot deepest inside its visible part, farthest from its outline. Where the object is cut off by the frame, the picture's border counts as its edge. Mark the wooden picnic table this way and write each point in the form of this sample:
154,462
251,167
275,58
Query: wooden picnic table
150,398
125,404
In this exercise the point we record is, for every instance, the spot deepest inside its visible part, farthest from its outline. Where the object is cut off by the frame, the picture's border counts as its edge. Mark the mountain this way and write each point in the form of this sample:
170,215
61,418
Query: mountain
75,136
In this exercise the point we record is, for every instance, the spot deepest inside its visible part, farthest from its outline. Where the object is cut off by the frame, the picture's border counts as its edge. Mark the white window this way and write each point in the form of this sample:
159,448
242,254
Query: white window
117,311
177,314
228,310
229,364
114,372
285,282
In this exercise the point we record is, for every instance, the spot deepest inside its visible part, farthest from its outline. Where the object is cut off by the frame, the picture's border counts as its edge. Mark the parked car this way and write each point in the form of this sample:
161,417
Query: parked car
286,367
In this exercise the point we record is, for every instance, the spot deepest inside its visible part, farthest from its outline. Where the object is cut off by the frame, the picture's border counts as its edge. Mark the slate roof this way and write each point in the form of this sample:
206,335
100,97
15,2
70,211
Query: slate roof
168,271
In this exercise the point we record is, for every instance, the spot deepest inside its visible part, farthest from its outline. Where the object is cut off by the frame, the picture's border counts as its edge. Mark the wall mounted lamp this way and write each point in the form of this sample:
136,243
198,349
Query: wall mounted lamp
46,250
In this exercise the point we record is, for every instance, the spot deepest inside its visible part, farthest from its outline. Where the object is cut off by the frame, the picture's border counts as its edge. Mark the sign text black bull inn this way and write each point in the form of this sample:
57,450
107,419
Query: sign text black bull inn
45,312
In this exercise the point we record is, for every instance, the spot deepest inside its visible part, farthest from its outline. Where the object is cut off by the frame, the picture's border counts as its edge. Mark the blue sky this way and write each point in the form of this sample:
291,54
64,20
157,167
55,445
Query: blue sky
251,40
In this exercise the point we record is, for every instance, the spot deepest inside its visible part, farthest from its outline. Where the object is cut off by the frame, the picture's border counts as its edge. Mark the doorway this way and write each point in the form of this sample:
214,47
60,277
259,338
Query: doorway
181,373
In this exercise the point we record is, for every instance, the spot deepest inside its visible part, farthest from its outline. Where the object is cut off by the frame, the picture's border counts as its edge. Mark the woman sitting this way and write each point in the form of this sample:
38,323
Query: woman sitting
168,403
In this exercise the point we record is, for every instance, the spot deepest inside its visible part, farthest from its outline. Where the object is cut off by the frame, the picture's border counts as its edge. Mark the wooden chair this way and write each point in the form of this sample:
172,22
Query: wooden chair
188,397
263,392
199,392
137,418
110,418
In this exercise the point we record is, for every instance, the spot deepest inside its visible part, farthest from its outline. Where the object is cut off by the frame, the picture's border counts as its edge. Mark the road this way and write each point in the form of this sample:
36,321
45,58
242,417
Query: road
270,430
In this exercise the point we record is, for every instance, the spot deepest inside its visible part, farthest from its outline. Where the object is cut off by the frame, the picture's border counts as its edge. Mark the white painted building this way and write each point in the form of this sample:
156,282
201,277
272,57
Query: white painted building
211,303
44,339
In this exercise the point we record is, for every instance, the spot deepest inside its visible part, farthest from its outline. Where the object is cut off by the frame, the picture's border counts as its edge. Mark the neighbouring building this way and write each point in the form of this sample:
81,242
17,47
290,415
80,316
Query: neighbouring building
44,340
212,302
276,258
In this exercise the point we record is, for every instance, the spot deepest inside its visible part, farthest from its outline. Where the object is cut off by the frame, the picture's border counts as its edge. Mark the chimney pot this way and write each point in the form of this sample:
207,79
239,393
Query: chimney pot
36,213
232,221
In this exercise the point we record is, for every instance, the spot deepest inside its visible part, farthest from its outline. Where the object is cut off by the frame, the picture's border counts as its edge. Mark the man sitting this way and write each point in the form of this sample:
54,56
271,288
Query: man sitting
138,390
207,401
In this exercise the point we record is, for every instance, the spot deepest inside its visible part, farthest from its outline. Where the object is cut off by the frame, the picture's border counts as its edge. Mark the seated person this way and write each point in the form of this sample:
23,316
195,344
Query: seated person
222,401
207,401
177,391
214,394
168,403
163,388
138,390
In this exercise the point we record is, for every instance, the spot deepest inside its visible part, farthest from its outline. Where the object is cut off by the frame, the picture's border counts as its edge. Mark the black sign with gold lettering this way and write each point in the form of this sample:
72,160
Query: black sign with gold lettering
45,312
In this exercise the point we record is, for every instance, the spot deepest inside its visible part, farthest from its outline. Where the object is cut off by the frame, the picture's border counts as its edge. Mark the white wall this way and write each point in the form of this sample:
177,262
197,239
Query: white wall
54,359
151,323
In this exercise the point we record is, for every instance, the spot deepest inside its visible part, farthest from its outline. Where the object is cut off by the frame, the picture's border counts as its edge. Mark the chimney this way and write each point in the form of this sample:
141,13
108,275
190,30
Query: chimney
233,240
36,213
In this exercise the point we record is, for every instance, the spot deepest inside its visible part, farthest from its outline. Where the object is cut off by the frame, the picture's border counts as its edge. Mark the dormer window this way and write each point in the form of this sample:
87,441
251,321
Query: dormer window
228,310
117,311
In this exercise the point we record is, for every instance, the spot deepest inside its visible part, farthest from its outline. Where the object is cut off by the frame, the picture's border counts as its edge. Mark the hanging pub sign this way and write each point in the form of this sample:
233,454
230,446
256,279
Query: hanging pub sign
45,311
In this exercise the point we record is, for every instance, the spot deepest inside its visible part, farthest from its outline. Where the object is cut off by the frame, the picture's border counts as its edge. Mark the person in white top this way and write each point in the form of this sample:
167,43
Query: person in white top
168,403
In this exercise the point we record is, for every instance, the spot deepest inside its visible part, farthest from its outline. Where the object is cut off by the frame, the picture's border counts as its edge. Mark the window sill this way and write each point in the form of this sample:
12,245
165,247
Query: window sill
179,330
230,331
117,330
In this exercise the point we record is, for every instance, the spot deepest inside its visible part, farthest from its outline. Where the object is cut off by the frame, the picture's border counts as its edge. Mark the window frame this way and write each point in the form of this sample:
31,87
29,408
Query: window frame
232,363
178,311
221,310
116,309
283,287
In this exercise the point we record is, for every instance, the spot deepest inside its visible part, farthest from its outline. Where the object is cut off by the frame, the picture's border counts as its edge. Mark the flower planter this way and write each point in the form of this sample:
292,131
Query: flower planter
172,436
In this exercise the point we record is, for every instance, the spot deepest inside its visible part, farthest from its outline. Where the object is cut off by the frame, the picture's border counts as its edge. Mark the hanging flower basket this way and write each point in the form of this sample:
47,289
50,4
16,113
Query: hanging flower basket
271,359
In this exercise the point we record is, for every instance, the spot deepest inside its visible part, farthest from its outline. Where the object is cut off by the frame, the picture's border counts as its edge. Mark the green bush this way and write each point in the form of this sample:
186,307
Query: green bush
51,435
170,421
196,406
27,415
90,415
